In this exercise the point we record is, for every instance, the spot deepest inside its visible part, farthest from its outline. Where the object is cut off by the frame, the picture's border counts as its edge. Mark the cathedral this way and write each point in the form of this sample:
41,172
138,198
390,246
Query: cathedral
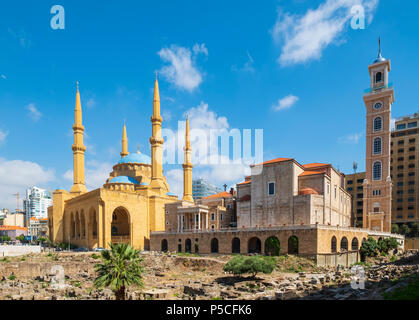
127,207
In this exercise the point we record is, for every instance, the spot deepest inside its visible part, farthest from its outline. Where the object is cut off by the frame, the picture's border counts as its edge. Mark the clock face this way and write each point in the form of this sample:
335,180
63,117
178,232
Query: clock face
378,105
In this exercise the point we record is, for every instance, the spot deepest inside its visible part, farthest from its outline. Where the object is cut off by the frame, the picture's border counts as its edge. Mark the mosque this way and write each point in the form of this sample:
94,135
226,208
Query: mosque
127,207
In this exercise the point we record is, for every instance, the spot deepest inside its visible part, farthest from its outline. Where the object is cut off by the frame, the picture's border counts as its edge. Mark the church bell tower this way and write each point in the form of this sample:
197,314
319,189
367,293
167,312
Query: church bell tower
377,184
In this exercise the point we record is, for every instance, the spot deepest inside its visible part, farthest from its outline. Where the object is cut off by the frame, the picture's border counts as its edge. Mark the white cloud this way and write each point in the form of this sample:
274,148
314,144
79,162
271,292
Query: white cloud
3,76
34,113
200,48
3,135
285,103
16,176
218,169
175,181
182,70
305,37
351,138
96,174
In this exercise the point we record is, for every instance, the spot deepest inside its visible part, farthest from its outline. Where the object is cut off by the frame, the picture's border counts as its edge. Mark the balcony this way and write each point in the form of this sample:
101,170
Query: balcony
372,90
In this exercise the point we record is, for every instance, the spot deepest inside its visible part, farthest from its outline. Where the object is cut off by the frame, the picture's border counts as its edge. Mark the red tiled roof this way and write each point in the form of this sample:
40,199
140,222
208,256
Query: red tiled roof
223,194
13,228
315,165
309,173
245,182
307,191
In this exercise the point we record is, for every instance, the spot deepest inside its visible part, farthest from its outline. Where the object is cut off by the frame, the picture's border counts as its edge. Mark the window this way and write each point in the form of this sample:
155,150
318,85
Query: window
412,124
335,192
411,199
221,216
376,171
271,188
411,191
349,189
399,191
376,192
412,140
411,157
360,180
378,105
359,203
378,124
400,184
378,77
350,182
411,183
359,195
400,150
412,149
400,167
412,165
401,126
377,145
212,216
360,188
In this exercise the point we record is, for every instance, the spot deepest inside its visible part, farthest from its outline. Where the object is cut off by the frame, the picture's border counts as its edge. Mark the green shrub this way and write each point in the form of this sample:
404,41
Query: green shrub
250,265
368,248
395,228
387,244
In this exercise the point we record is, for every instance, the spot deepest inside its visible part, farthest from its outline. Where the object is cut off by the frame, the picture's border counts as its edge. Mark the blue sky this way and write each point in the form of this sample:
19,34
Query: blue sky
295,69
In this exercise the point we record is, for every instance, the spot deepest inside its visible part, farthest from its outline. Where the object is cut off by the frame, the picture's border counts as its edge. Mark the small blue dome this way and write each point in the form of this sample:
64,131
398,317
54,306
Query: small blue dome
171,194
123,179
136,157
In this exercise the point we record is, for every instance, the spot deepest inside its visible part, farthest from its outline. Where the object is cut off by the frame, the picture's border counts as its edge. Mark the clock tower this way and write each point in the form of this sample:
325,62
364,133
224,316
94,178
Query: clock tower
377,184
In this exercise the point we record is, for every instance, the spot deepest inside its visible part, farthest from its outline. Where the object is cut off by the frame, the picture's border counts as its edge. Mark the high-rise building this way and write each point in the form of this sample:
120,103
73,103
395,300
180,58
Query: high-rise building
404,166
354,186
202,188
377,184
37,202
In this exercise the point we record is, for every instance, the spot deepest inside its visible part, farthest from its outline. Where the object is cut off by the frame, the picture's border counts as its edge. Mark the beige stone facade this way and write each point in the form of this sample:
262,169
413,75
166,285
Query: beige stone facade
283,192
354,186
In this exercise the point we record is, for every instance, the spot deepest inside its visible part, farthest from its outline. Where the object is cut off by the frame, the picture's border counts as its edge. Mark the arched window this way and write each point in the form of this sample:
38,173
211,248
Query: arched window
378,124
334,242
376,170
354,245
377,145
378,77
344,244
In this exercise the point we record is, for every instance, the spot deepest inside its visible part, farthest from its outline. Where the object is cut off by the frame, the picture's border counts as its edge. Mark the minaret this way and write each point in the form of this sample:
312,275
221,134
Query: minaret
156,141
187,166
124,151
78,149
377,184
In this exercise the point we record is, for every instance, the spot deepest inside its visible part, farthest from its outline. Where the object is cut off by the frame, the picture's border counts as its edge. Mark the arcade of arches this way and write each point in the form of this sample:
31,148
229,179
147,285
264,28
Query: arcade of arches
301,240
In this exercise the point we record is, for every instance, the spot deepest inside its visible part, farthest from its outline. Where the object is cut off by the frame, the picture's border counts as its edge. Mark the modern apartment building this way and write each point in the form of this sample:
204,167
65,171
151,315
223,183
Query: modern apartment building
353,184
404,169
37,202
403,172
202,188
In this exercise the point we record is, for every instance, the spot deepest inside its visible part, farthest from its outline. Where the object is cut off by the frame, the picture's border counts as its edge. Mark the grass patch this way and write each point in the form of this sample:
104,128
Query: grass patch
12,277
186,254
410,292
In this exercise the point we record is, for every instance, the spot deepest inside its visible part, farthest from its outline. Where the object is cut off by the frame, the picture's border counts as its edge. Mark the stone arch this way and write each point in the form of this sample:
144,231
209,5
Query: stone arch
344,244
235,245
164,245
82,225
120,226
93,226
272,246
293,245
78,231
214,245
334,244
254,245
354,244
188,245
364,240
72,226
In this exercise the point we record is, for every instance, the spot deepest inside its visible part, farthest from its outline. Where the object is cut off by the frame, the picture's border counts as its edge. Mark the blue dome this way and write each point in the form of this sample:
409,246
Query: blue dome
123,179
136,157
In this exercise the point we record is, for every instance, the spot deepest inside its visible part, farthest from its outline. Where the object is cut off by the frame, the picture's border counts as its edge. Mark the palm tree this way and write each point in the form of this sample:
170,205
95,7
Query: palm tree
121,267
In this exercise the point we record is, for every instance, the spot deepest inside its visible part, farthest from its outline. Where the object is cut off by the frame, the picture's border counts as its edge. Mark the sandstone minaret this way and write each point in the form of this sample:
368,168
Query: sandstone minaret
156,141
187,166
377,184
78,149
124,151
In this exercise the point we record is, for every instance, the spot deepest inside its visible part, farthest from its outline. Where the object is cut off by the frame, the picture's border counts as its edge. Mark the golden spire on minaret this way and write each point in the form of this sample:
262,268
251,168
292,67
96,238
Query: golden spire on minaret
78,149
156,141
124,151
187,166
